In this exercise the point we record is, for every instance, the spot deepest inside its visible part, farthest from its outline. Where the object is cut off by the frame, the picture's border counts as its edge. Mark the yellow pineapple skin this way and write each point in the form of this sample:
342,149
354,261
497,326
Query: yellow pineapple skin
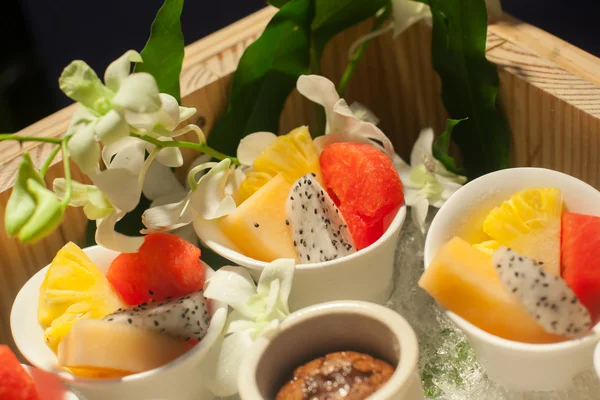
292,156
530,223
257,227
463,280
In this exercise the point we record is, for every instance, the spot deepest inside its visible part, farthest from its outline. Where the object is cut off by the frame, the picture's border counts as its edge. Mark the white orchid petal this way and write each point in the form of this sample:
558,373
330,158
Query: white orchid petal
236,176
171,108
81,117
94,213
160,181
79,191
403,170
321,91
110,150
200,160
411,196
210,199
281,270
419,212
253,145
84,149
231,352
363,113
138,93
342,118
236,322
406,13
111,128
422,149
325,140
120,186
170,156
131,157
234,286
186,113
107,237
119,69
168,216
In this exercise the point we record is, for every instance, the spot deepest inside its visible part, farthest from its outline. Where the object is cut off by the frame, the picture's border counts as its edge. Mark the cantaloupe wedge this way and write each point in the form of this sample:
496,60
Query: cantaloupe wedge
99,349
257,227
463,280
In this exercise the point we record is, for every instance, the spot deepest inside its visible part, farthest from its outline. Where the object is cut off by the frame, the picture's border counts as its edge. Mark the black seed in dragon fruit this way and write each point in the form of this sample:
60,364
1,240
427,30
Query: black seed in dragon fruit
545,296
186,317
317,225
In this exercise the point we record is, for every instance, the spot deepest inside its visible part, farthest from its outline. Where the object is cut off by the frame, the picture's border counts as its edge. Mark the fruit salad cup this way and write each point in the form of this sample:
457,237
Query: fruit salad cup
528,321
338,212
168,366
368,347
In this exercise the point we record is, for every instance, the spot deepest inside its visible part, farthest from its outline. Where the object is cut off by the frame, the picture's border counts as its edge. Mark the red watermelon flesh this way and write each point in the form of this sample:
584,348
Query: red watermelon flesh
166,266
364,183
580,259
15,382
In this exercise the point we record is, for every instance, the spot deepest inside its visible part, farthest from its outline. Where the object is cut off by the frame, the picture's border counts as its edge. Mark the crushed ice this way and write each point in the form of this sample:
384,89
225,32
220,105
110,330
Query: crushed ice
448,366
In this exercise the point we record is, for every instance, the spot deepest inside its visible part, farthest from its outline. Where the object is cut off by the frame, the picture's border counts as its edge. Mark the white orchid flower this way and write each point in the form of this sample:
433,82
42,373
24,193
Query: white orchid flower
426,181
342,123
210,198
257,311
108,113
162,187
162,125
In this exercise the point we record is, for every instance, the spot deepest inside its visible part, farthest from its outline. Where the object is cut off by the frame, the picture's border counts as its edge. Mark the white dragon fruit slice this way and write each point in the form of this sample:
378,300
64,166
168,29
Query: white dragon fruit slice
318,228
186,317
546,297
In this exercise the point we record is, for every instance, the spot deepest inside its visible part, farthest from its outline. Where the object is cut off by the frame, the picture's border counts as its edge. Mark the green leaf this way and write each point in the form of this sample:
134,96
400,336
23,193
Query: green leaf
266,75
441,145
335,16
163,53
469,83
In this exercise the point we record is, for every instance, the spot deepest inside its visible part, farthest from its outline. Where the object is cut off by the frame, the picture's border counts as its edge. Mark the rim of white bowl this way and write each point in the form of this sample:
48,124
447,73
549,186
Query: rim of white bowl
597,359
461,196
408,343
241,259
202,346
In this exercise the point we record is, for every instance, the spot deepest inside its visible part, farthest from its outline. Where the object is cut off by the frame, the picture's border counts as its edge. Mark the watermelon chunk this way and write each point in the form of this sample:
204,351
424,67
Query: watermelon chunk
364,183
15,382
580,259
165,266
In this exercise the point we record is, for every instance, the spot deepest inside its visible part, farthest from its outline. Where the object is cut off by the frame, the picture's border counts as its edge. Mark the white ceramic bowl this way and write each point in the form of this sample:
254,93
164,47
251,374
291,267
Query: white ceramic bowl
177,380
519,366
365,275
335,326
597,360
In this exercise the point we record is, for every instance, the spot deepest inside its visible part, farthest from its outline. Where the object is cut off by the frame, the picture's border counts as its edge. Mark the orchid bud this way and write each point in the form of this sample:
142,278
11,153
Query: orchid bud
32,210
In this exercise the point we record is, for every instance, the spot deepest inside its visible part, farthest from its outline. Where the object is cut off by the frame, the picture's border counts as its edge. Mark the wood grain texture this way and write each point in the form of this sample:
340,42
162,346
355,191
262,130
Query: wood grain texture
549,91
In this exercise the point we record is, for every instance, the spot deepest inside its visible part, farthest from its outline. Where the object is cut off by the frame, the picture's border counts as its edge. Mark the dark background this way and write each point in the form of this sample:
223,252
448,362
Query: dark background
38,38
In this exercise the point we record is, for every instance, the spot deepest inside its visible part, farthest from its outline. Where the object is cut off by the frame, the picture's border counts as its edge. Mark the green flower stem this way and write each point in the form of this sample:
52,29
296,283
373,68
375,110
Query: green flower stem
8,136
67,166
48,162
381,17
200,147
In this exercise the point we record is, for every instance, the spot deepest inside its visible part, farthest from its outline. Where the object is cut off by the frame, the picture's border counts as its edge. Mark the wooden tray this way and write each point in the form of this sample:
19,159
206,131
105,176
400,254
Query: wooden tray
549,91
